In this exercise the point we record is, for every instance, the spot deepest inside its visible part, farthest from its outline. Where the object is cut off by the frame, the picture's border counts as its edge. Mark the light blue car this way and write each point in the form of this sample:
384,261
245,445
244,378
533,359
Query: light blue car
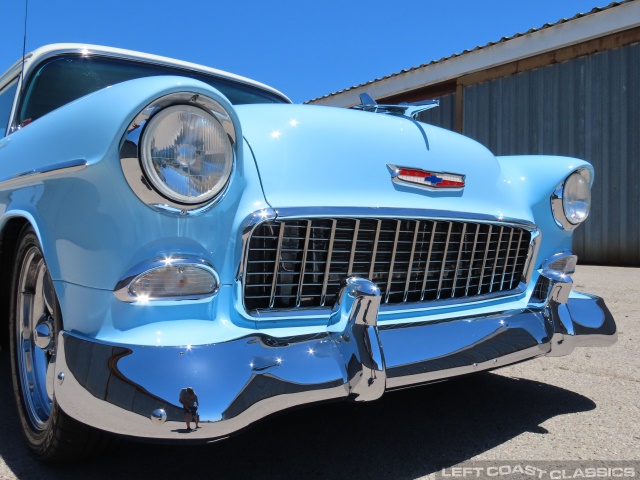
185,252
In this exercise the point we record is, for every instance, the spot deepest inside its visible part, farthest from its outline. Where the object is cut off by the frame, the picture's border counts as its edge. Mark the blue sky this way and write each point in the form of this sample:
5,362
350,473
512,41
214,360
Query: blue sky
305,49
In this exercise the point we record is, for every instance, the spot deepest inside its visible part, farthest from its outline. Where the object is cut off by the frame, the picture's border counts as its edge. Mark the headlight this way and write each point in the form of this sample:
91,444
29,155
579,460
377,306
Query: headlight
576,198
571,200
186,154
178,153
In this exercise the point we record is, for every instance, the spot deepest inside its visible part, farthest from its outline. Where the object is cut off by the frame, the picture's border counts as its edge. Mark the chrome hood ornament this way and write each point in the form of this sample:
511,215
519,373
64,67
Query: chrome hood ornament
411,110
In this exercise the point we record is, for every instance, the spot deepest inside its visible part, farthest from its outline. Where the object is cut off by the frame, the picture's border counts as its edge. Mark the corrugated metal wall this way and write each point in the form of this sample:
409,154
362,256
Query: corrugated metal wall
589,108
443,116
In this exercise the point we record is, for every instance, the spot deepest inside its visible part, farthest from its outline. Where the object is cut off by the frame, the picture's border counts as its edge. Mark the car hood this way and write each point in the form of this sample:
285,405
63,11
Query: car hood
313,156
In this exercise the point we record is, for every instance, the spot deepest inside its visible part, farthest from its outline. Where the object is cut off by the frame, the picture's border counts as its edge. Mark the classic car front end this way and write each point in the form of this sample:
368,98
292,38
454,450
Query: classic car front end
182,227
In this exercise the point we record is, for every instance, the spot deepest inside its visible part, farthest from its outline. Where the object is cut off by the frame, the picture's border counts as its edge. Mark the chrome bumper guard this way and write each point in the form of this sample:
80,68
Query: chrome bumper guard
133,390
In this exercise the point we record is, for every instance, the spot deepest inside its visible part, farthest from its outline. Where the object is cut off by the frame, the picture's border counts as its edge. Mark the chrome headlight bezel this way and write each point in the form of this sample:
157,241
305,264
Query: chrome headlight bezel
559,202
133,165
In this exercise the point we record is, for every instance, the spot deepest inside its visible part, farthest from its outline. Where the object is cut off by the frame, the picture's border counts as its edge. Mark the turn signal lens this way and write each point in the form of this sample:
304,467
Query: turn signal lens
174,281
566,264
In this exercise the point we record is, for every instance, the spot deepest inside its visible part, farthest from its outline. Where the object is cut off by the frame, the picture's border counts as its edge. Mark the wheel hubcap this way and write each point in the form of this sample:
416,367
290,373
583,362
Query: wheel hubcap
36,337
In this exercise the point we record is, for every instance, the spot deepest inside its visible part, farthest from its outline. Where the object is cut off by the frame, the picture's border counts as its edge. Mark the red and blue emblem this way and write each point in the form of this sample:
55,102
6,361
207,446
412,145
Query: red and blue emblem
427,179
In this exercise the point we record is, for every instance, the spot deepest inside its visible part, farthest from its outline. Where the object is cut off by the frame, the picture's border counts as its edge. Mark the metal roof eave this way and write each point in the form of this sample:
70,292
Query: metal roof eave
609,21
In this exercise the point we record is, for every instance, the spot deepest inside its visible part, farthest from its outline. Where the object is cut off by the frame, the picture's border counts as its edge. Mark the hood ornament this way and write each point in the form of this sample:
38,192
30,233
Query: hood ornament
426,178
411,110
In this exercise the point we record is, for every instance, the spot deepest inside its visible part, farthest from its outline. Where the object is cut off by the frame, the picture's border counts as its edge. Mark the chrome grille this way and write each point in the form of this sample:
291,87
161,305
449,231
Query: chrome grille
300,263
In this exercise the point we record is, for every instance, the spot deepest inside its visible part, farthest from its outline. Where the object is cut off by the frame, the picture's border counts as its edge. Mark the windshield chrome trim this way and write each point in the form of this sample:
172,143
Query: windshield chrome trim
5,83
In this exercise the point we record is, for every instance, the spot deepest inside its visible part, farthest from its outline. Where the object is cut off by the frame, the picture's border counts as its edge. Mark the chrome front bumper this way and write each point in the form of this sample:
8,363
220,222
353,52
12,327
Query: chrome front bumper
133,390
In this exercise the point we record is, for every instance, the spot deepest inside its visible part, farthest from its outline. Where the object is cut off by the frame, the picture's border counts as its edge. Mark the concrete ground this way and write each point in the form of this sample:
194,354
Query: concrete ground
581,408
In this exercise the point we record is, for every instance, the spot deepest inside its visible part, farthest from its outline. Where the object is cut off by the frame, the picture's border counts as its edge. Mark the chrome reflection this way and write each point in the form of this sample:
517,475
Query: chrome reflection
580,323
158,416
555,282
355,315
114,387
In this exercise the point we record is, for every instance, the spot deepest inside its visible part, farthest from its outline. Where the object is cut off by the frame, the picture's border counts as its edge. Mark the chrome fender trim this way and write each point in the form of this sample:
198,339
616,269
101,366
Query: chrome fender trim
31,176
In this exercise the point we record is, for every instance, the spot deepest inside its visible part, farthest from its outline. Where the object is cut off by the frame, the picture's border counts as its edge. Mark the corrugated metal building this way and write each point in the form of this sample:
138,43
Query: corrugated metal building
571,88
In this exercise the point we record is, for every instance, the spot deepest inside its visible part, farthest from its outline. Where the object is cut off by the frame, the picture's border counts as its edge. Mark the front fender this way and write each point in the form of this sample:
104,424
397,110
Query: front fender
92,226
534,178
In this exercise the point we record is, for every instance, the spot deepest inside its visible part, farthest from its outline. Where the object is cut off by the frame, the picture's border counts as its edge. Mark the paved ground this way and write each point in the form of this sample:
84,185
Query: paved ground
582,407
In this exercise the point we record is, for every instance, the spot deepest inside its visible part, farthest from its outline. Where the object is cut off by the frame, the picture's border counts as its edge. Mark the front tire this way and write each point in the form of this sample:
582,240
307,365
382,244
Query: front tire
35,321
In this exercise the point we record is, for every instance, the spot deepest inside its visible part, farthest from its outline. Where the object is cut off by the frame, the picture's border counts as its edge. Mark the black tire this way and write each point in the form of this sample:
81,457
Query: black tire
51,435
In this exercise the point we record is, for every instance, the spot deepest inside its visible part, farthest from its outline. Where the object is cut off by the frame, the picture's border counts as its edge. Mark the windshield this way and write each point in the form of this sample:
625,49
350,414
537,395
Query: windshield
64,79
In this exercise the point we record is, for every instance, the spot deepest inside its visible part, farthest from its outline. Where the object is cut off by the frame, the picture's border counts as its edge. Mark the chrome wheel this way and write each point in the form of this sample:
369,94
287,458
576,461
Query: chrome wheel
35,320
36,337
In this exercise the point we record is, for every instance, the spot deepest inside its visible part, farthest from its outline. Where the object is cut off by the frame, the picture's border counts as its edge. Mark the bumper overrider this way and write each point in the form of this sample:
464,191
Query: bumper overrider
133,390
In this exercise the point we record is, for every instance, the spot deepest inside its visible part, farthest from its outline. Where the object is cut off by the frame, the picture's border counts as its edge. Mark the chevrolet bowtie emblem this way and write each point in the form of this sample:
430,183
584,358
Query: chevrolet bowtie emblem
426,179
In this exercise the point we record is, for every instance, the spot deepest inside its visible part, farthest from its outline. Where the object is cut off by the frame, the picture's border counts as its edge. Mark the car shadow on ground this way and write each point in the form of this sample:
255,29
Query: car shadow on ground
406,434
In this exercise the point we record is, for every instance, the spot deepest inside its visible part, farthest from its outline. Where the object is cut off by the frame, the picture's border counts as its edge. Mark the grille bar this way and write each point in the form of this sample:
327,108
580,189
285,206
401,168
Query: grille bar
473,256
484,259
300,263
375,248
496,259
276,265
444,263
328,263
413,251
506,260
392,263
305,251
460,250
515,263
426,268
354,244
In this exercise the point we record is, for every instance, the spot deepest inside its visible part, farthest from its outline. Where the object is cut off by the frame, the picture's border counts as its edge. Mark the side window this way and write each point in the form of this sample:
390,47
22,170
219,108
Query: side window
7,95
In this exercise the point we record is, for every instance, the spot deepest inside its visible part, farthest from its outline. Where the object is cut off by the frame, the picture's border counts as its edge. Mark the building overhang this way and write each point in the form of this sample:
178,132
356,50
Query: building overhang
607,22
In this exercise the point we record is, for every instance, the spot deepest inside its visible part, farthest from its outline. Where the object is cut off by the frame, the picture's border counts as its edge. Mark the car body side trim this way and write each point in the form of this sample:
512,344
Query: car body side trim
43,173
